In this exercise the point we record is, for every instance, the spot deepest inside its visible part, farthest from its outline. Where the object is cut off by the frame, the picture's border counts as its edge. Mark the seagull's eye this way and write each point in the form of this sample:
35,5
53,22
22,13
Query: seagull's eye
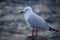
26,9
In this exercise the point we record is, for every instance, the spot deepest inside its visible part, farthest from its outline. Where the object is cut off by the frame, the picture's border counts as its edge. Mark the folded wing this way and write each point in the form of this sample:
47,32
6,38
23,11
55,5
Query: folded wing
37,22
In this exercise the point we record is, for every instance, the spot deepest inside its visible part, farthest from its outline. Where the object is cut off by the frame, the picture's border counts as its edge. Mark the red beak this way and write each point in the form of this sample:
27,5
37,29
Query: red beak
21,12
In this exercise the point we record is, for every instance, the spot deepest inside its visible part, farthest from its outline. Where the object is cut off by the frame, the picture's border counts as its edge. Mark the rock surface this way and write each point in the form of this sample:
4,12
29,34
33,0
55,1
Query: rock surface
14,27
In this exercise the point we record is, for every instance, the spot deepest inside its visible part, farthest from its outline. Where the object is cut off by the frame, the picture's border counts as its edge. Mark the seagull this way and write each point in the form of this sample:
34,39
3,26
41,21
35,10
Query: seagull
35,21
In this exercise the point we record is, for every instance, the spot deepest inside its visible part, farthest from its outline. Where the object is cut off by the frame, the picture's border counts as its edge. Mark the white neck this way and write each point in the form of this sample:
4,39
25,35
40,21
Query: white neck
27,14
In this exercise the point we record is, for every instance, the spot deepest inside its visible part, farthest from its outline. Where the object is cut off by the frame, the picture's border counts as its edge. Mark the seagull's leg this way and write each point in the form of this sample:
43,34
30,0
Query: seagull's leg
36,32
33,31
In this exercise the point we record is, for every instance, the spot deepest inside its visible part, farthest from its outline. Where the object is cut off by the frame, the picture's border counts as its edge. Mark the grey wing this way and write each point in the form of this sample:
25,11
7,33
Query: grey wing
37,23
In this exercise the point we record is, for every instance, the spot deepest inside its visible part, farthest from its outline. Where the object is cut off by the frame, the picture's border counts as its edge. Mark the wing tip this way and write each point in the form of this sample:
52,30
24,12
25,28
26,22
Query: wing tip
52,29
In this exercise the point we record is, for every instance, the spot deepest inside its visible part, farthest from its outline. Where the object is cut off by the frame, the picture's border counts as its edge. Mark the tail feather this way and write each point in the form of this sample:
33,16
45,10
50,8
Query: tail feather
51,29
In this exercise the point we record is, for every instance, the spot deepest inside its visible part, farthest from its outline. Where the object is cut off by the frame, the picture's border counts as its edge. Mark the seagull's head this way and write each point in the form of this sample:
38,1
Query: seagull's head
26,9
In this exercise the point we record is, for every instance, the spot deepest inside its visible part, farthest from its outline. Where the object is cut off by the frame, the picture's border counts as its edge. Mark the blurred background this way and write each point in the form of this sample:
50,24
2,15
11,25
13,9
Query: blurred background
13,25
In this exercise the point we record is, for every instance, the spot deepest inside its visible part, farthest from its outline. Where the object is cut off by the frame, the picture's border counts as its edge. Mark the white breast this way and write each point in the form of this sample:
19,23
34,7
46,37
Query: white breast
26,16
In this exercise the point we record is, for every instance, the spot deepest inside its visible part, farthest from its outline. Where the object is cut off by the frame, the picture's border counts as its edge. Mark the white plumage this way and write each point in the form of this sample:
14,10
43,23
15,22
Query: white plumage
34,20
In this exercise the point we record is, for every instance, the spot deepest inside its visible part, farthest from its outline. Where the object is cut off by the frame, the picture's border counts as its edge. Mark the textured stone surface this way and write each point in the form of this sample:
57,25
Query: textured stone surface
14,27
